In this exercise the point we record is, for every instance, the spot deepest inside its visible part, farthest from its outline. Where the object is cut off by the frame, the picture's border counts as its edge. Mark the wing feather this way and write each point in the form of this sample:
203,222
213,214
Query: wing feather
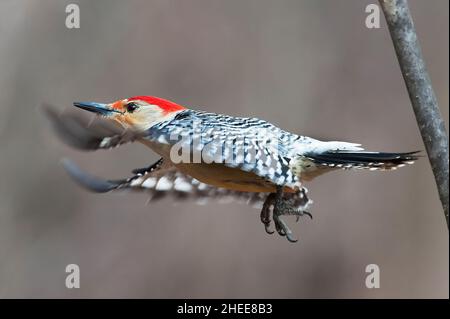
160,181
86,134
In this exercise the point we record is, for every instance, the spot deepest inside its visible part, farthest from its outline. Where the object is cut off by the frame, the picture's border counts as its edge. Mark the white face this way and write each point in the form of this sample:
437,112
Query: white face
138,115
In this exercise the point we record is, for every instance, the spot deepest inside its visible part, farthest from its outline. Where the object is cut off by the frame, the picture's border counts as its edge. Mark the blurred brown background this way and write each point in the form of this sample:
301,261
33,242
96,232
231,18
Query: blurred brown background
311,67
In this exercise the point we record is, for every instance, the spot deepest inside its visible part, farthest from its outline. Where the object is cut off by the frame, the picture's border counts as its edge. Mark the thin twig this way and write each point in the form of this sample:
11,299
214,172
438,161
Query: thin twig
421,94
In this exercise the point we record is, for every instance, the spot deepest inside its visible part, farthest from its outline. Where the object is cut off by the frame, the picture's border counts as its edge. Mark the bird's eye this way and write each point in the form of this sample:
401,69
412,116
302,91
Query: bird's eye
131,107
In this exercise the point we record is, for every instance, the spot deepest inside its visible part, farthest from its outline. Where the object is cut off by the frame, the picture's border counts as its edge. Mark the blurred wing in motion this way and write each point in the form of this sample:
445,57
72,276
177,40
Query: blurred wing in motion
162,179
81,132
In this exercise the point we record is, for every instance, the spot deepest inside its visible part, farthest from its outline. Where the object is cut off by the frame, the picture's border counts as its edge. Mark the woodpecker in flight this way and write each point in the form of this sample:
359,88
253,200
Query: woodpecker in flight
212,155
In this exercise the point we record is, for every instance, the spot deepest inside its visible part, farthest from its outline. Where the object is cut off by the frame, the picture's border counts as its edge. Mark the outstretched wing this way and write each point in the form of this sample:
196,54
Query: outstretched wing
250,144
159,180
78,131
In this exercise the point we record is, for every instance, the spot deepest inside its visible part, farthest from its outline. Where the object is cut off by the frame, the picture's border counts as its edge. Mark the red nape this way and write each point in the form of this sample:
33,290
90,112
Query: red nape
166,105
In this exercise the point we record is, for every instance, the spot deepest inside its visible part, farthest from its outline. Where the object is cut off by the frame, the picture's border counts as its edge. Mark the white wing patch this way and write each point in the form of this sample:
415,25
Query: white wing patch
164,180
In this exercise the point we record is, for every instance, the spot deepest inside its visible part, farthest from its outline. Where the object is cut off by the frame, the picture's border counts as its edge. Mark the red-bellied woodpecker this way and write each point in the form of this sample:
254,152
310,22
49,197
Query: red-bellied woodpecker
211,154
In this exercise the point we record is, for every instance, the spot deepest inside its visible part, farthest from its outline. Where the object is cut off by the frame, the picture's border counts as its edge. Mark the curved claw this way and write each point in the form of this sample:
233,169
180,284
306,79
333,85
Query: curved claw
265,219
279,226
308,214
291,239
281,232
297,217
266,228
265,214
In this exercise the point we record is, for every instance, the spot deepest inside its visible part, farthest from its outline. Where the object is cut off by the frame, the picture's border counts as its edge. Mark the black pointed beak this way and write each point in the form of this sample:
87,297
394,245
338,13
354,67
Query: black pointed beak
95,107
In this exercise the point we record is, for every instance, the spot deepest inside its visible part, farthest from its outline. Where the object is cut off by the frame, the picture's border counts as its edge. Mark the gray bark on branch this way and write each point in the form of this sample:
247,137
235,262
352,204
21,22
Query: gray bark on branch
421,94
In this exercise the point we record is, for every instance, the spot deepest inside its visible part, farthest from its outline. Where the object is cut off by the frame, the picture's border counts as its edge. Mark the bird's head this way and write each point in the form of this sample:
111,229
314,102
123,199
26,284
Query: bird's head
138,113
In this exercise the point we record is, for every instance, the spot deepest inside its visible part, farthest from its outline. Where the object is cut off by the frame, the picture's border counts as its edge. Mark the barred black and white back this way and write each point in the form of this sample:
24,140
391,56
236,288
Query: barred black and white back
280,157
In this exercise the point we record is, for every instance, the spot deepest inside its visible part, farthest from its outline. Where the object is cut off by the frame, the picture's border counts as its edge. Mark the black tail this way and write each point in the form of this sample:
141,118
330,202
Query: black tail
361,159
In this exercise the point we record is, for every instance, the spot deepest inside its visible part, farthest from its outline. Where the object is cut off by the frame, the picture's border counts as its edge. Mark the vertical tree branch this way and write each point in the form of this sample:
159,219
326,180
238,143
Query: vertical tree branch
421,94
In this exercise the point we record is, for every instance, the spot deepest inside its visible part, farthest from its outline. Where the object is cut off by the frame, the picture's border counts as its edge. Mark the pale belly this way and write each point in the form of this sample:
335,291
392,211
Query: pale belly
220,175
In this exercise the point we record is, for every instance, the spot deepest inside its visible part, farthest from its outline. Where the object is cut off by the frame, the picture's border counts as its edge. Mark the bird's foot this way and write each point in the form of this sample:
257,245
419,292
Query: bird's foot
283,205
280,225
265,213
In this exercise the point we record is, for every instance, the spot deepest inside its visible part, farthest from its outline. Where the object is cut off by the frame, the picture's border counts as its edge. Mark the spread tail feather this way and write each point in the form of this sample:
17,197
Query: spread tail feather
363,160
